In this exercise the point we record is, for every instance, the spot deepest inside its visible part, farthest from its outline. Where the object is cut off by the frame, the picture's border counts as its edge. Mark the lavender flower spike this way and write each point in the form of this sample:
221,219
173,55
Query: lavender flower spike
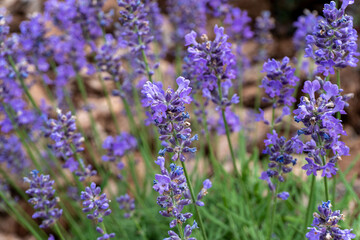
279,84
168,114
281,159
333,43
97,207
325,225
318,116
43,198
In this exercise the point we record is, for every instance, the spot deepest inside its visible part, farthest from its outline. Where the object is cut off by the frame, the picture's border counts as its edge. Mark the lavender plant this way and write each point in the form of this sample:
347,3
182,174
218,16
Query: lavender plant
332,44
57,55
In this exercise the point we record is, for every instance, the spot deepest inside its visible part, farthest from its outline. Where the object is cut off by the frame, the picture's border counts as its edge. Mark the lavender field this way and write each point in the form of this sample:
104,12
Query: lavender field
179,120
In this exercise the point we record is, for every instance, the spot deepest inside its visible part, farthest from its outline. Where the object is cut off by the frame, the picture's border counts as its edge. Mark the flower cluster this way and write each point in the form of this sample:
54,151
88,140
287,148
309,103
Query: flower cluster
263,25
304,26
134,32
187,232
174,192
317,114
181,14
12,154
214,66
66,140
333,41
281,157
279,84
117,147
43,198
325,225
127,204
238,25
97,207
168,114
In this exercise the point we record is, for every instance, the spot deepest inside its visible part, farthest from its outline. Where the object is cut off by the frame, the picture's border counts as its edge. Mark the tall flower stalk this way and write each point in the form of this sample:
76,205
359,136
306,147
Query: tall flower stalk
168,114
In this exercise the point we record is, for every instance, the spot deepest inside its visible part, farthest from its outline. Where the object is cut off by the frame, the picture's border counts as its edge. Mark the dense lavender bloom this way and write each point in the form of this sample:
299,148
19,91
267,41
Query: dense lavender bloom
43,198
118,146
181,14
325,225
108,59
156,22
263,25
281,157
187,232
86,17
218,8
304,26
318,116
63,132
237,22
214,66
174,192
127,204
279,84
168,114
35,44
85,172
12,154
97,207
333,43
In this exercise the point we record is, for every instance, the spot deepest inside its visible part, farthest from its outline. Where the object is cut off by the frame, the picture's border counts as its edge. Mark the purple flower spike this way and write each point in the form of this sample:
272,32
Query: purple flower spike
42,197
279,84
263,25
127,204
97,207
333,42
317,112
63,133
168,114
281,159
325,225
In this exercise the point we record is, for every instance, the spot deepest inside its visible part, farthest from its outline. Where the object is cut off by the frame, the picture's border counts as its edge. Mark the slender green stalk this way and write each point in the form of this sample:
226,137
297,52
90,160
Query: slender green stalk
227,130
108,101
23,85
179,226
274,199
201,225
83,93
325,182
57,229
310,203
144,55
21,218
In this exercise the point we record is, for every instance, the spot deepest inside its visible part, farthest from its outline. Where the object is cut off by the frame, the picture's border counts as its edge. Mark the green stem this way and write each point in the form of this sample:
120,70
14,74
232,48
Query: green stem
179,226
272,217
108,101
23,85
325,181
144,56
227,130
310,203
201,225
83,93
21,218
57,229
